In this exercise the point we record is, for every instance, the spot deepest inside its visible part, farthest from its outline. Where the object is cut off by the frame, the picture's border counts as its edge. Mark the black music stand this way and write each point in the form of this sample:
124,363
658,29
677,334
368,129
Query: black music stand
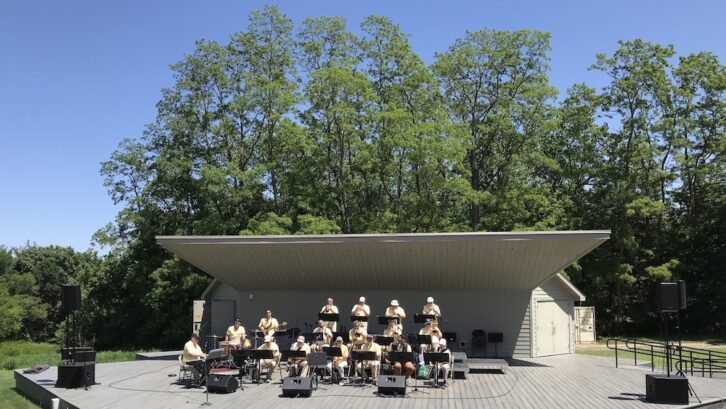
384,341
310,337
239,358
342,334
257,355
423,339
332,352
436,358
286,355
360,356
384,320
316,361
421,318
361,318
328,317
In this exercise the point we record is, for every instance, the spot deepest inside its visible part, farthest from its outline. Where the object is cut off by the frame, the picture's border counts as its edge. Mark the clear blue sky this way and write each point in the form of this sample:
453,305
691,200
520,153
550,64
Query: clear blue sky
76,77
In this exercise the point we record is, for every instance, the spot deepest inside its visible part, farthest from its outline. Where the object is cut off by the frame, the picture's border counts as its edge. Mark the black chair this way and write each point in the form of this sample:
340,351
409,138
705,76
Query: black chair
495,338
478,343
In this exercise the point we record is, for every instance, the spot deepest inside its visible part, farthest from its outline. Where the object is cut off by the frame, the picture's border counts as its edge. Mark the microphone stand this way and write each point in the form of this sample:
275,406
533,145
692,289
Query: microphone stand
206,384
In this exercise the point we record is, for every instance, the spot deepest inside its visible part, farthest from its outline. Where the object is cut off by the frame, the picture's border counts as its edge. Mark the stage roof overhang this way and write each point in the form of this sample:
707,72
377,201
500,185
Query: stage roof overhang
424,261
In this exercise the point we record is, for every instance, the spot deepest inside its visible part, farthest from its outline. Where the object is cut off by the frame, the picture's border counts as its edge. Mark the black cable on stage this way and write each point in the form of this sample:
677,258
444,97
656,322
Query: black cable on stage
112,384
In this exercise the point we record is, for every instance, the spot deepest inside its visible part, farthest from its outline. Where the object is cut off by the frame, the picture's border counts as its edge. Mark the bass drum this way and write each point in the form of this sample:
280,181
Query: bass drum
247,344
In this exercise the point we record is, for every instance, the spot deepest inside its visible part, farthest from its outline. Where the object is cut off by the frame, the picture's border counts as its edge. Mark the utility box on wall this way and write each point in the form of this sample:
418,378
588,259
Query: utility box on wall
584,325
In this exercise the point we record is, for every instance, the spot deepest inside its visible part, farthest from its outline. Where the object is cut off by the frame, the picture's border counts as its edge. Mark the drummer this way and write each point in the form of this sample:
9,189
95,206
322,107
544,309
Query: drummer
235,336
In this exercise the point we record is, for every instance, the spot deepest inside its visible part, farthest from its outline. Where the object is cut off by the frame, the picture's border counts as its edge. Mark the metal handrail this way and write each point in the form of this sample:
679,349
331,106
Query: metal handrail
682,357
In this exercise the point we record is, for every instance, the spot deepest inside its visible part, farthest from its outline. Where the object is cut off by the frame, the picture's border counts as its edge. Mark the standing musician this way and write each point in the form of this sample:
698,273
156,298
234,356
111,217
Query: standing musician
330,308
392,329
400,345
430,328
193,352
270,364
361,310
298,366
357,335
445,367
339,362
431,309
395,310
374,365
327,334
268,325
235,336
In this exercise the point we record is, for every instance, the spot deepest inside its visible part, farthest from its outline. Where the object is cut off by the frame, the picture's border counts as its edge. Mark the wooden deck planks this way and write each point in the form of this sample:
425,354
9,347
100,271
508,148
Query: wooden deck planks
567,381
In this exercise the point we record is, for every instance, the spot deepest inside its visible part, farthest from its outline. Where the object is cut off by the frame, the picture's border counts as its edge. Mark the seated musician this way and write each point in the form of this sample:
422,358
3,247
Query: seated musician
392,329
374,365
430,328
327,335
235,336
361,310
396,310
357,335
441,347
193,352
431,309
298,366
268,325
270,364
400,345
330,308
339,362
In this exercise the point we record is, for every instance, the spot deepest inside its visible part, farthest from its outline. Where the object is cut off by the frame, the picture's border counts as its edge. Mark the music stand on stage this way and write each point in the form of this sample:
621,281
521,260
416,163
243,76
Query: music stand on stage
332,352
342,334
287,354
384,341
360,356
328,317
361,318
384,320
421,318
257,355
423,339
436,358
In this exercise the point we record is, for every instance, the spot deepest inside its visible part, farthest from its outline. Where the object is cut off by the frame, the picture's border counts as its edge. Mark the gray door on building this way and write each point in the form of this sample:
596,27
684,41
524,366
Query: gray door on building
223,314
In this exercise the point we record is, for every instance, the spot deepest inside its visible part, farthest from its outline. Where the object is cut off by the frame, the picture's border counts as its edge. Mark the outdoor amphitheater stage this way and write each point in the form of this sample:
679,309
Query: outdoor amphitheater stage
564,381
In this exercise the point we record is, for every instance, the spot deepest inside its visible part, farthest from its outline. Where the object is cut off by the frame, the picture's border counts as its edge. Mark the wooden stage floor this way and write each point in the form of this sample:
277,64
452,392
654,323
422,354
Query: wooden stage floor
565,381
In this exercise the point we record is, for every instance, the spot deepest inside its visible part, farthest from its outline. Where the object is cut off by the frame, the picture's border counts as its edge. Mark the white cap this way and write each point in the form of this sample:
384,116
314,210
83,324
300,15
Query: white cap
301,339
442,341
362,299
268,338
394,303
430,299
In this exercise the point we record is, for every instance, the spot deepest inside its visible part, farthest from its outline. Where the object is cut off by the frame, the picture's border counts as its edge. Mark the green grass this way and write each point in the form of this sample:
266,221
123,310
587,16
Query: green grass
24,354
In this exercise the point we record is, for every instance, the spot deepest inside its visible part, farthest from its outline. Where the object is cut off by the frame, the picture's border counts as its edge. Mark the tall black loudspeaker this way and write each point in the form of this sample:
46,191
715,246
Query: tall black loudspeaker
669,295
682,288
71,296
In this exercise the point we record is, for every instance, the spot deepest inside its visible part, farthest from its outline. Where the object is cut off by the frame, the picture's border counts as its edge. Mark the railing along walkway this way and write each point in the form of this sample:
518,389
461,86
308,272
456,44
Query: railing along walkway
672,357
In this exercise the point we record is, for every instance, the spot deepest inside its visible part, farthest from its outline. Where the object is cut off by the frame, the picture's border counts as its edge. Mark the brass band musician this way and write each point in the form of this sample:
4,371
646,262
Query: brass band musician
392,330
357,335
396,310
330,308
270,364
400,345
441,347
339,362
327,334
268,325
430,328
298,366
374,366
431,309
361,310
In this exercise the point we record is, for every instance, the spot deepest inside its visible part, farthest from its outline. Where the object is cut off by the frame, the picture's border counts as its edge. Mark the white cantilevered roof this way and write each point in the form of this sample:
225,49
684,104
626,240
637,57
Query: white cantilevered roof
424,261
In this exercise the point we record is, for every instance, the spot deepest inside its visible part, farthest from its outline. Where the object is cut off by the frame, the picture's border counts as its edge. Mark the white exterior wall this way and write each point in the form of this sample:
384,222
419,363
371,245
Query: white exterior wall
509,312
463,311
551,290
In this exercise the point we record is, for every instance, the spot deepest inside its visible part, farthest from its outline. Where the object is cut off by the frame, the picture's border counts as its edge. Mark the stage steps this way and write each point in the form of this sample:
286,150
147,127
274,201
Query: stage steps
464,365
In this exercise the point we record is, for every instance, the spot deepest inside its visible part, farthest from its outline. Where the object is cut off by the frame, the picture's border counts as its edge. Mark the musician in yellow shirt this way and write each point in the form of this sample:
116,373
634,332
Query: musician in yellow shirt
374,365
299,366
235,336
327,334
399,345
392,329
339,362
270,364
430,328
361,310
357,335
330,308
193,352
396,310
268,325
431,309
